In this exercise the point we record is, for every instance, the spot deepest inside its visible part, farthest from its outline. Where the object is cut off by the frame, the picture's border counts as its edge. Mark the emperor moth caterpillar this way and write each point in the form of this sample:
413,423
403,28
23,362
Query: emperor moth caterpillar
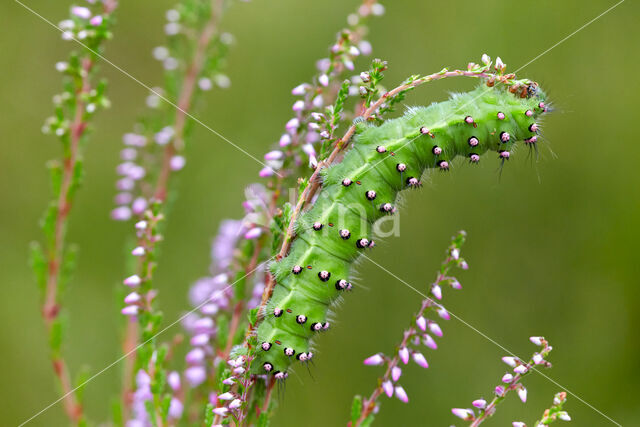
363,188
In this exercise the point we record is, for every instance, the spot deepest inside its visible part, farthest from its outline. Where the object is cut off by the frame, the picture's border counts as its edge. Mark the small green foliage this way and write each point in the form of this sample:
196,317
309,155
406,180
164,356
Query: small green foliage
208,415
56,334
263,420
38,264
356,408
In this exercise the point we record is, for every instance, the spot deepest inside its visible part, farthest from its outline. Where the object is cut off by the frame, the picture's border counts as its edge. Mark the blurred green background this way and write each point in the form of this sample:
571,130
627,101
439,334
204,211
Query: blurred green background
552,246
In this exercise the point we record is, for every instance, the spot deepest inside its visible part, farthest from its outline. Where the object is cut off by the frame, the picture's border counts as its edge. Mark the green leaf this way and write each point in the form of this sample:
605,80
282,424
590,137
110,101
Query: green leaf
253,315
81,378
55,171
56,335
367,421
263,420
48,222
356,408
67,268
38,263
208,415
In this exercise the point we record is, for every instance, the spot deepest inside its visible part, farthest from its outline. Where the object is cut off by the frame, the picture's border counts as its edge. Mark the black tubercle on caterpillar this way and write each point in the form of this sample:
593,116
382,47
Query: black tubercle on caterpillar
362,189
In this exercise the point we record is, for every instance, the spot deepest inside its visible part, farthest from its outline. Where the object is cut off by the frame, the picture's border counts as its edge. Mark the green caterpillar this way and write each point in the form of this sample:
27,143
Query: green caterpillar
363,188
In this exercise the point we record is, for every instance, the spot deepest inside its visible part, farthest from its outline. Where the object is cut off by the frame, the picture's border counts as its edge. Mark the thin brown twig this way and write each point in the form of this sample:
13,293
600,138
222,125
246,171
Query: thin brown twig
50,307
186,98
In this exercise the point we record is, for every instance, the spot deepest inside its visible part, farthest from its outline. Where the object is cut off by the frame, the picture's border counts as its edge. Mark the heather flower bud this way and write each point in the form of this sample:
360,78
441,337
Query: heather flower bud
298,105
274,155
376,359
537,340
323,80
522,394
520,369
130,310
387,386
235,403
436,291
404,355
253,233
518,424
173,379
499,391
422,323
132,281
420,360
226,396
479,403
564,416
507,378
486,59
299,90
429,342
396,372
132,298
401,394
138,251
511,361
177,162
81,12
435,328
464,414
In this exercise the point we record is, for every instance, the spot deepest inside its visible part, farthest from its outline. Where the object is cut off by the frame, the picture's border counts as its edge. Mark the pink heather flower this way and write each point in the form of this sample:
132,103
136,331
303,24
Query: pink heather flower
203,324
195,356
134,140
323,80
238,371
455,253
132,298
138,251
229,381
139,205
299,90
520,369
353,51
125,184
173,379
429,342
436,291
318,102
374,360
177,162
538,359
96,21
81,12
365,47
443,313
536,340
564,416
479,403
292,125
464,265
499,390
313,126
266,172
422,323
285,140
420,360
511,361
435,329
141,225
195,375
274,155
136,172
175,408
522,394
404,355
123,199
464,414
128,154
235,403
387,386
132,281
253,233
121,213
401,394
518,424
200,340
507,378
455,284
220,411
226,396
130,310
395,373
298,105
313,162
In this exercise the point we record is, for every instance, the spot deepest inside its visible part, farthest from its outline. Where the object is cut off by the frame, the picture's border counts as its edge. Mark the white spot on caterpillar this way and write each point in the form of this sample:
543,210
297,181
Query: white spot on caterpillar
362,243
381,149
370,194
266,346
317,226
401,167
528,113
324,275
474,158
301,319
504,154
277,312
267,366
289,352
346,182
444,165
505,137
345,234
500,115
436,150
296,269
473,141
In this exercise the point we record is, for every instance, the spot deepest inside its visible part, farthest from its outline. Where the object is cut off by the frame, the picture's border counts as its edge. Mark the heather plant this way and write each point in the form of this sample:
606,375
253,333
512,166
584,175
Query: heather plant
334,176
